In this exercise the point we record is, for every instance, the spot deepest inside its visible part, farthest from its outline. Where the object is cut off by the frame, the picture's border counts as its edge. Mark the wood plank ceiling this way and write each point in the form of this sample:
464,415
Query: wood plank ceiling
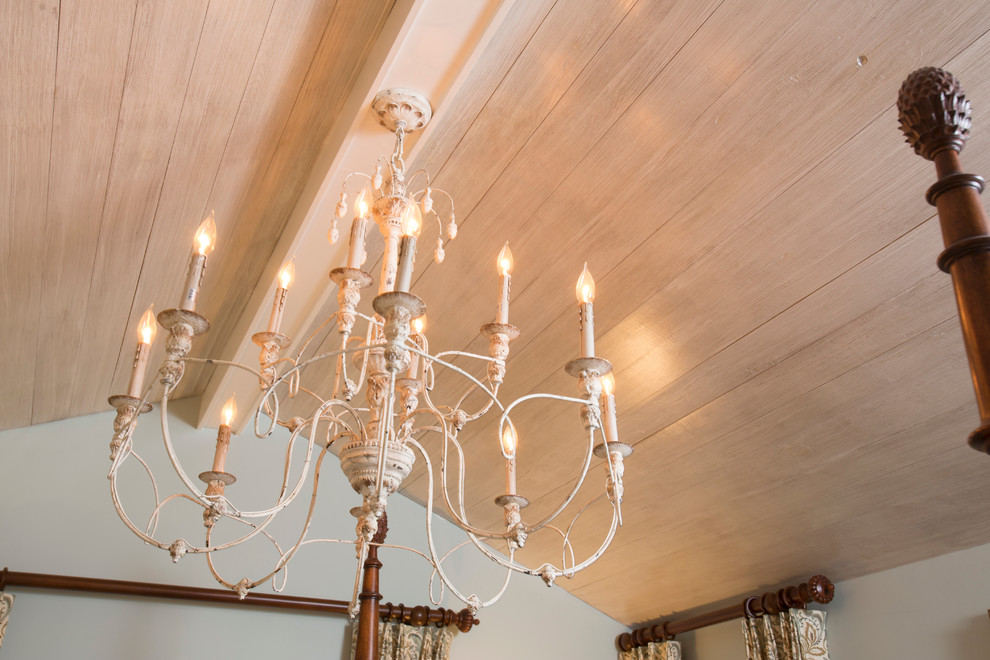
788,361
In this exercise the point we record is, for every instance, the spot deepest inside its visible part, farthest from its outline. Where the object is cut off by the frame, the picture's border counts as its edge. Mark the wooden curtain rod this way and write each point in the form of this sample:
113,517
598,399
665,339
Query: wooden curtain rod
818,589
416,616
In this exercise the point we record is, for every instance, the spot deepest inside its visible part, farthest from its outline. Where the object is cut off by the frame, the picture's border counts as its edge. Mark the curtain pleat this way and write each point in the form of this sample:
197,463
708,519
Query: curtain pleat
793,635
397,641
654,651
6,604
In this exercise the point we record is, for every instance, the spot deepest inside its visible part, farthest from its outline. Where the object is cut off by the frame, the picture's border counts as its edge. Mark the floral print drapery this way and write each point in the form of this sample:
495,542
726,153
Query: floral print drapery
6,603
397,641
654,651
793,635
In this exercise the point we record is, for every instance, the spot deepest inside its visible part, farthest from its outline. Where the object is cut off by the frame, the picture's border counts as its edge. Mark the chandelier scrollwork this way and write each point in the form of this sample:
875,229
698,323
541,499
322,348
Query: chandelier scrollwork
390,360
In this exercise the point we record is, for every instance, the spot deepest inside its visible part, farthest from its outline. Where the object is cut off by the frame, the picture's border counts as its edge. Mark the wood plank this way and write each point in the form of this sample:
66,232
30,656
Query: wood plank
551,213
163,48
217,90
563,44
693,326
636,277
458,114
284,58
904,306
212,93
743,483
29,32
92,59
636,53
275,188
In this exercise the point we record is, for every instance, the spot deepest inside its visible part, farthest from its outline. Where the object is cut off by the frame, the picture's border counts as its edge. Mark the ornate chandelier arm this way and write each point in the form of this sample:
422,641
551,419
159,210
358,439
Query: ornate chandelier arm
201,497
587,459
598,553
153,518
460,518
362,343
548,572
245,584
281,502
180,546
433,360
112,476
570,527
471,601
492,393
115,497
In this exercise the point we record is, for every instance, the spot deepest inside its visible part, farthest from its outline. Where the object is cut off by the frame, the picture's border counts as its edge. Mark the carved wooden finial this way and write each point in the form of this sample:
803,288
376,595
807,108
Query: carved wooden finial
934,113
821,589
465,620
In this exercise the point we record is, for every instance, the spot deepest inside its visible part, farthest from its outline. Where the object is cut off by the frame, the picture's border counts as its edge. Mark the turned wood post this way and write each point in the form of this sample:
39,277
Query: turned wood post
367,639
935,117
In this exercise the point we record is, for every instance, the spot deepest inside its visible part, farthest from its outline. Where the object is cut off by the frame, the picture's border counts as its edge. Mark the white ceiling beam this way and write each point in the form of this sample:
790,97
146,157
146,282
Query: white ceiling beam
426,45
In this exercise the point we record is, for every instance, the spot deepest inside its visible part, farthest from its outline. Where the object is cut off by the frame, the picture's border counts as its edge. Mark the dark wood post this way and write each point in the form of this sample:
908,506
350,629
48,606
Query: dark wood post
367,638
935,117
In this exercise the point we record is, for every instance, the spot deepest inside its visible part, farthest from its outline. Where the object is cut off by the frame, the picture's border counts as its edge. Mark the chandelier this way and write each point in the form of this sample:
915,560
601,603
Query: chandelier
381,402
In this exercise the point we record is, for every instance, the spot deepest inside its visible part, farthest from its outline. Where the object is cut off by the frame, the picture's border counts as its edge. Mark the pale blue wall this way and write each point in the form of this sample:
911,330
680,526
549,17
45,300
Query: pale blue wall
56,517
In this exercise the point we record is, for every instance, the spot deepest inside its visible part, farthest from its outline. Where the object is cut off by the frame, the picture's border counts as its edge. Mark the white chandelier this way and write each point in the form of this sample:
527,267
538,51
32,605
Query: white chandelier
378,438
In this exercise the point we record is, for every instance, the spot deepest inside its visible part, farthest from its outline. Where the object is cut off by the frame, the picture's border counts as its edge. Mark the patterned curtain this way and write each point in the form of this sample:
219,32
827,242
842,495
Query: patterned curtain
653,651
6,603
793,635
397,641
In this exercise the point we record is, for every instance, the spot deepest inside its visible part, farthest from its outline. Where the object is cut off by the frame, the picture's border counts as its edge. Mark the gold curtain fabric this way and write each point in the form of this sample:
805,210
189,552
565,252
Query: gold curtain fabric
662,651
792,635
397,641
6,603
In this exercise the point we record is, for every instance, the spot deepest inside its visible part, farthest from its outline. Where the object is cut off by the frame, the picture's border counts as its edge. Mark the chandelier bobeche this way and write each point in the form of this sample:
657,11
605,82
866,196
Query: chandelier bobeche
379,438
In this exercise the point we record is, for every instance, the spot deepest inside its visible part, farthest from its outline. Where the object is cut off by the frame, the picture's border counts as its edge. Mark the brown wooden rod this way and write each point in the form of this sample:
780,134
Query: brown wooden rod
367,635
818,589
935,116
152,590
416,616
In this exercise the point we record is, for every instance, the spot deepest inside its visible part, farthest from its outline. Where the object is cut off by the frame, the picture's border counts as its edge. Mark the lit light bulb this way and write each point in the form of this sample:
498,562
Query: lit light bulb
412,218
147,328
585,287
287,274
608,384
206,236
504,260
362,205
509,440
419,325
229,410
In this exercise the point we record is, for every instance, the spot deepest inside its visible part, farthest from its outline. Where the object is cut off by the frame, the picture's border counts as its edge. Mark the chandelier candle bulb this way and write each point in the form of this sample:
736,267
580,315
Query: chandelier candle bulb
147,329
359,227
223,435
504,263
611,425
586,296
509,442
204,242
412,221
418,326
285,277
215,479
